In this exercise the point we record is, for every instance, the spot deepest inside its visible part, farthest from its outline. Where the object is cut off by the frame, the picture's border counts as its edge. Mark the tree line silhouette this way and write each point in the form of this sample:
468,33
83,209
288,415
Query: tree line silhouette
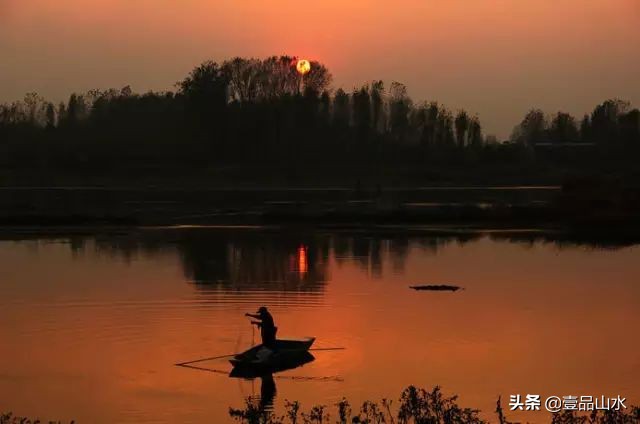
262,114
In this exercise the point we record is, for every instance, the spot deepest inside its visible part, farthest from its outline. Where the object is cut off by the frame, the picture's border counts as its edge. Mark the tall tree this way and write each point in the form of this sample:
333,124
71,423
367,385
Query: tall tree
462,126
243,76
318,78
446,137
604,120
475,132
341,109
77,109
35,107
630,128
563,129
50,115
362,112
532,129
206,85
279,77
585,129
399,108
377,106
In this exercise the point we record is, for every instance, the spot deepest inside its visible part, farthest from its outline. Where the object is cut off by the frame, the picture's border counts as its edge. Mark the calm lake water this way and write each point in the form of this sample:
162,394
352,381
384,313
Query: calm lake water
92,325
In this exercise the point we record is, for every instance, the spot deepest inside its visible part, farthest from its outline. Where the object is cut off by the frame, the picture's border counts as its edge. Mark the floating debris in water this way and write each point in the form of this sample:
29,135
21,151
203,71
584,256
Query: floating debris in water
437,287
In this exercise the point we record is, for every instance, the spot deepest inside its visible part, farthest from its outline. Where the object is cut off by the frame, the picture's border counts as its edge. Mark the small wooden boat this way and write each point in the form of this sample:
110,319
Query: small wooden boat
280,355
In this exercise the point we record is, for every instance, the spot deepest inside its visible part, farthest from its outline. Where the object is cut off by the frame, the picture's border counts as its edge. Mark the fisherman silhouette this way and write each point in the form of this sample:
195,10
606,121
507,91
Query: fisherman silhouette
267,327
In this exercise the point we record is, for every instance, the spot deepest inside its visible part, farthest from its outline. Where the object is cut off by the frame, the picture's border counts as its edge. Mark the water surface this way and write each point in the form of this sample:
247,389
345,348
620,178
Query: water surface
92,325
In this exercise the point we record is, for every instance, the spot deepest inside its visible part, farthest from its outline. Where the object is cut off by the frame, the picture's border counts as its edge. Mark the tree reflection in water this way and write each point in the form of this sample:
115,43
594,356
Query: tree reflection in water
280,260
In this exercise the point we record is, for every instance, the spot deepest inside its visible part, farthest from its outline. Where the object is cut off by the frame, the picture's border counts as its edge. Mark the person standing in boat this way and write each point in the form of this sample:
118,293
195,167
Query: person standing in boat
267,326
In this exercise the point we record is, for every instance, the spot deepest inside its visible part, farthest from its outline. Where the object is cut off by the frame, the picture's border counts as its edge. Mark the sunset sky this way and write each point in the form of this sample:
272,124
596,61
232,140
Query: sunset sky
496,58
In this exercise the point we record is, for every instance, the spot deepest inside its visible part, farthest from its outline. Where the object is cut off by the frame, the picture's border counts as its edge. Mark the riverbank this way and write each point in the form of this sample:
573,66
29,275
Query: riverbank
588,206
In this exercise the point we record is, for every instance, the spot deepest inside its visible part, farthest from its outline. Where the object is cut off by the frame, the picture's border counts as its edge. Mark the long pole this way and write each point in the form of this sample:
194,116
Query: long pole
205,359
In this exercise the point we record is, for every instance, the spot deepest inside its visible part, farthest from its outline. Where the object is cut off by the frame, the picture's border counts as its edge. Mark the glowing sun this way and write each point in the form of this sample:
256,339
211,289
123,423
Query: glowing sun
303,66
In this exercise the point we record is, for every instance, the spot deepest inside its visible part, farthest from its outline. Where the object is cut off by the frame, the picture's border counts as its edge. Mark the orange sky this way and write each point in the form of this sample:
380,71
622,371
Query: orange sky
496,58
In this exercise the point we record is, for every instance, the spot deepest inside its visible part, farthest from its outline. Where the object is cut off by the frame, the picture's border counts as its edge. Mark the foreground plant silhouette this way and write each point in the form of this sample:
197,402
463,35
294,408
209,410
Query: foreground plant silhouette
416,406
9,418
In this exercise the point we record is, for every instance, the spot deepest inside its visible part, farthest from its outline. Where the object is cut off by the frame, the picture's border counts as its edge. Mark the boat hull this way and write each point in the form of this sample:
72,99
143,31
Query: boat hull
284,354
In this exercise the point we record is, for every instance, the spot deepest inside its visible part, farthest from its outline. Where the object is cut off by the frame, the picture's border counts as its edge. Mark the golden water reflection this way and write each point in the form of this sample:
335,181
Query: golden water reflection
91,326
